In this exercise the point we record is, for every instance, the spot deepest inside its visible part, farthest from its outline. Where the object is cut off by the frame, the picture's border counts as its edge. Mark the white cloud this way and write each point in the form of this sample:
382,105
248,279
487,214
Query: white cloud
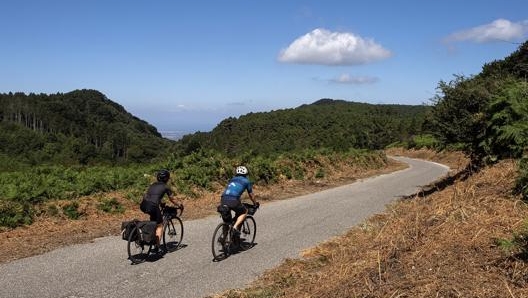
355,80
333,48
498,30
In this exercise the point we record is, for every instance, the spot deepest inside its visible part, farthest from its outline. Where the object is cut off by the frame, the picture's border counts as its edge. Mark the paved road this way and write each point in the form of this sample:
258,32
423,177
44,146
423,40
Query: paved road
100,269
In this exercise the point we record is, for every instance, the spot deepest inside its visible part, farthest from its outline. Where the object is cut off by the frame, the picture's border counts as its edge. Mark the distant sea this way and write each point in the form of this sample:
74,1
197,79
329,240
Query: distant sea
174,135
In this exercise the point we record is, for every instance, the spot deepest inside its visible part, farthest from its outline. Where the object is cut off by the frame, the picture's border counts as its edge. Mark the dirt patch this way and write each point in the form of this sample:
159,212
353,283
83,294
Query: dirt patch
46,233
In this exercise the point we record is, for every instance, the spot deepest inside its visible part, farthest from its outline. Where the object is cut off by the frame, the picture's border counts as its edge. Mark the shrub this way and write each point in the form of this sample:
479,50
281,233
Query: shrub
71,210
424,141
111,206
14,214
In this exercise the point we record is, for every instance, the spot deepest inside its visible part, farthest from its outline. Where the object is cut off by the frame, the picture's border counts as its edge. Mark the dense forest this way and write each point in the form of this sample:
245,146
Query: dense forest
83,127
79,127
327,123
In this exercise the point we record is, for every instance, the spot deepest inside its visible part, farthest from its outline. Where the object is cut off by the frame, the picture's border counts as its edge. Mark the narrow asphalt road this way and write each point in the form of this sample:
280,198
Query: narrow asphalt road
284,229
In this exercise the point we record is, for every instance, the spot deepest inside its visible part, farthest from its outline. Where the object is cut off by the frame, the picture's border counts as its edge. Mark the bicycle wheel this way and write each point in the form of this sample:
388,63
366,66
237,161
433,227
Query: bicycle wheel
172,234
221,242
248,231
137,250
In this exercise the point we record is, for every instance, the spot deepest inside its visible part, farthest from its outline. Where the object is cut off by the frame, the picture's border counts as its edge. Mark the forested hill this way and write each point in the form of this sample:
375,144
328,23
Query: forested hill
79,127
326,123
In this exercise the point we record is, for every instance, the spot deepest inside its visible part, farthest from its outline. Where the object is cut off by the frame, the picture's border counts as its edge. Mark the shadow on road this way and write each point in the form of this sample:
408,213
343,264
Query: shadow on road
153,257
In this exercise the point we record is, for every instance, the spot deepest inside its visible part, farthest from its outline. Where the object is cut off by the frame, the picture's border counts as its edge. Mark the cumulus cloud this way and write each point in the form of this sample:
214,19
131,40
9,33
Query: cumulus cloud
500,29
333,48
354,80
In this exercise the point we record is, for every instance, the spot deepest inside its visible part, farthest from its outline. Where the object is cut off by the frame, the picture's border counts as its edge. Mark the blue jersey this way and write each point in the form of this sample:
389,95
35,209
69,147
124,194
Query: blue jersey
236,187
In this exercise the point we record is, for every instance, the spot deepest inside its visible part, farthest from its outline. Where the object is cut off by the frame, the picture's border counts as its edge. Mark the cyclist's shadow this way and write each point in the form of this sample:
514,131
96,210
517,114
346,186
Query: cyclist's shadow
171,247
234,251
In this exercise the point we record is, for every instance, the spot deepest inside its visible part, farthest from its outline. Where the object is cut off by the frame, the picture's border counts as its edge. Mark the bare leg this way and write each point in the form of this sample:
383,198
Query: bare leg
239,220
159,229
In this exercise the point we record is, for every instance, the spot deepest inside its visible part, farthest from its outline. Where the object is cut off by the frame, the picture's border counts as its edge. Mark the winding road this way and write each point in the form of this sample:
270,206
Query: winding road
284,229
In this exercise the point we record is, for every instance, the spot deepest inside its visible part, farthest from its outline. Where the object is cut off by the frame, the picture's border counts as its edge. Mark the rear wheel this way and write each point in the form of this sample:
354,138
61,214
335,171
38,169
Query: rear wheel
248,231
221,242
172,234
137,250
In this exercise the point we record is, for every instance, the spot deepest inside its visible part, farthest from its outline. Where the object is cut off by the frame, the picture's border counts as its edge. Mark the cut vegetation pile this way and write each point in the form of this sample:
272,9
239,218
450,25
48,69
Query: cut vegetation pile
464,241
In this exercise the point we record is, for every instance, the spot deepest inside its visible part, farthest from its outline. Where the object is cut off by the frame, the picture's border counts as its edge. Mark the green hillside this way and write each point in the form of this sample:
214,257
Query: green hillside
327,123
79,127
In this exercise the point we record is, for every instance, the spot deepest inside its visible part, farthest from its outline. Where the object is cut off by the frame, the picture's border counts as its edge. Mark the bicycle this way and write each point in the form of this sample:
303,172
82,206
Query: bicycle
172,234
225,239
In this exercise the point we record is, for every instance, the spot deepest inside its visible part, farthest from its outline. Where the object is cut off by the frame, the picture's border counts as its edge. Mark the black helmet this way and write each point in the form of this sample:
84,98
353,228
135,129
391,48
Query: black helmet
163,175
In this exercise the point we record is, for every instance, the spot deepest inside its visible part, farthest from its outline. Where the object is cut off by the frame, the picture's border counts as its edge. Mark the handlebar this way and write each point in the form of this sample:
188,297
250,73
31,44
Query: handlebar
252,208
178,210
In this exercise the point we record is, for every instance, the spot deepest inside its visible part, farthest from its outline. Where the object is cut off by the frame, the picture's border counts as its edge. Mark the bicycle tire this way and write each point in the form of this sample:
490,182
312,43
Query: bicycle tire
221,242
137,250
248,231
172,234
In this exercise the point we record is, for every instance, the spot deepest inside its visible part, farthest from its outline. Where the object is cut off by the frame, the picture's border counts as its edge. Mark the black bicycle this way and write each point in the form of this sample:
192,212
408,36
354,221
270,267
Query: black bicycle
226,240
142,235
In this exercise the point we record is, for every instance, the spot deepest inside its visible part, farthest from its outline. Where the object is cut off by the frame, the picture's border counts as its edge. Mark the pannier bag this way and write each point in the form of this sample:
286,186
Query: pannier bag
147,230
127,227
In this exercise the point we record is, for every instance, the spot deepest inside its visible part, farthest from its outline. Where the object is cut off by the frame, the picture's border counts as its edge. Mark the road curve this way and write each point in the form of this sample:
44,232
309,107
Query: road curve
101,268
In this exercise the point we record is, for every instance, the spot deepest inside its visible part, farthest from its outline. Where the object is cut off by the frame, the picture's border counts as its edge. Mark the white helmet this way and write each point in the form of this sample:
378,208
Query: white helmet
241,170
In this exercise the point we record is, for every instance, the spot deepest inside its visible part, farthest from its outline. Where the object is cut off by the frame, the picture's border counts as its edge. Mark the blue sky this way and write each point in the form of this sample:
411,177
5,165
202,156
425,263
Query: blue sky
186,65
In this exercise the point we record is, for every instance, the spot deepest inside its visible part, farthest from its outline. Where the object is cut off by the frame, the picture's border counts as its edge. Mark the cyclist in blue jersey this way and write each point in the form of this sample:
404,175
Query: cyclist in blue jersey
234,190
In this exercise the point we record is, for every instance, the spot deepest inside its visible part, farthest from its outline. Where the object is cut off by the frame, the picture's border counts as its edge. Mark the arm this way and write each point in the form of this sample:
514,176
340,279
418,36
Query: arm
172,198
175,201
250,194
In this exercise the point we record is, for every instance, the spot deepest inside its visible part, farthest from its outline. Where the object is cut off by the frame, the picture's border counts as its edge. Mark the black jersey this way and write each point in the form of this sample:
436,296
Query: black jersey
156,192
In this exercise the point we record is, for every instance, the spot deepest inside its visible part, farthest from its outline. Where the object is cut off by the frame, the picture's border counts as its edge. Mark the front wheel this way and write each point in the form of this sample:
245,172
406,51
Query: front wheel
138,251
248,231
172,234
221,242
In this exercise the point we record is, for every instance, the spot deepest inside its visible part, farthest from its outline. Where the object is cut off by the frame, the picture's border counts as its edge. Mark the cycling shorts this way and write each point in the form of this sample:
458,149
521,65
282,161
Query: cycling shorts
234,204
153,210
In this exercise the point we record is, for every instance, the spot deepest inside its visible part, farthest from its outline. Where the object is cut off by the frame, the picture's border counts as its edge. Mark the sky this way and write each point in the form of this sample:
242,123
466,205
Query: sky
187,65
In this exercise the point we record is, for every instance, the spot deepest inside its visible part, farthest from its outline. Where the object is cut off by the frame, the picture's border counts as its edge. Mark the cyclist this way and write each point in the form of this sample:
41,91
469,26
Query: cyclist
153,198
232,193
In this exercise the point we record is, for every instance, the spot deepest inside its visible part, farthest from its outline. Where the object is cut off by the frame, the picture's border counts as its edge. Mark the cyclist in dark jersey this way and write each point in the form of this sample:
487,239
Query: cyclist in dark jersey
153,198
234,190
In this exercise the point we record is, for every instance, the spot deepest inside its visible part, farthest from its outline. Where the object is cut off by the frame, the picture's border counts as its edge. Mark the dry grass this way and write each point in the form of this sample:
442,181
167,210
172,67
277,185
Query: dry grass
443,245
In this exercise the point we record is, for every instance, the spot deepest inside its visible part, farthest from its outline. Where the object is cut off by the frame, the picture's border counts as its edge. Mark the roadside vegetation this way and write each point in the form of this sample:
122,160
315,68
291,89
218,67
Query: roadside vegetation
29,194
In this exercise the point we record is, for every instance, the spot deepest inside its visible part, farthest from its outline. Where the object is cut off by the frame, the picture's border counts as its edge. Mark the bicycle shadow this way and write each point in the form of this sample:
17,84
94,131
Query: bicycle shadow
154,257
233,251
174,246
